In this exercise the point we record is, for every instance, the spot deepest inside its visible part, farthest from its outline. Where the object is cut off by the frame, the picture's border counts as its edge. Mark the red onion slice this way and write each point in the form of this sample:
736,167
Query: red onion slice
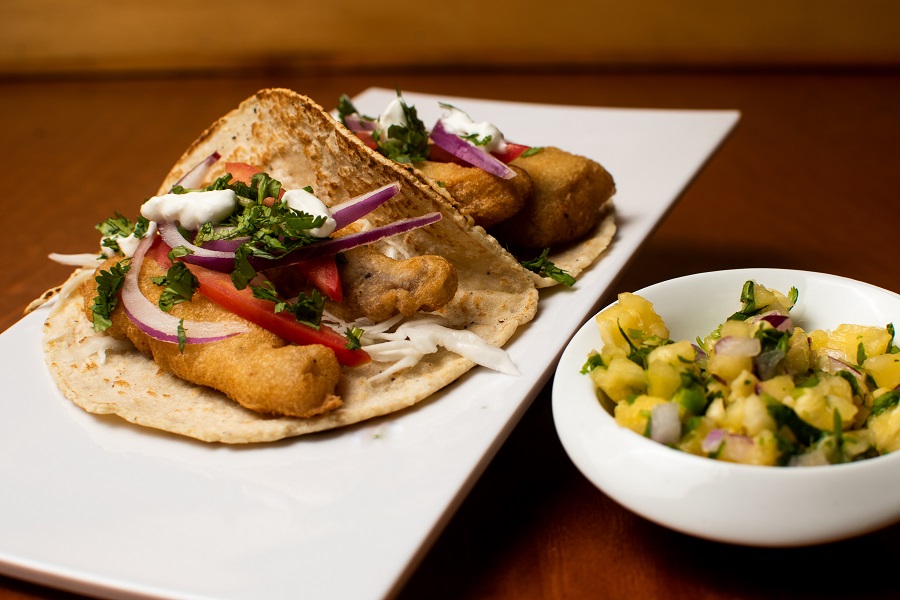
358,207
465,151
161,325
665,424
356,123
738,346
217,260
713,440
341,244
778,321
224,261
194,178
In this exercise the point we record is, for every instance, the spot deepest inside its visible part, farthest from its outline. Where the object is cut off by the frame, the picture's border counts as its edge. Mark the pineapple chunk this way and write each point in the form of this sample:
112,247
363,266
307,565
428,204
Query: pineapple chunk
846,339
620,380
886,429
633,314
798,358
748,415
635,415
885,369
665,366
778,387
758,450
816,405
730,367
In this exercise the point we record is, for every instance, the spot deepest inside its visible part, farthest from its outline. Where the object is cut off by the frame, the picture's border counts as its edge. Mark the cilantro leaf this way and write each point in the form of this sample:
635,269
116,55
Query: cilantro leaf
404,143
180,286
545,268
345,108
353,334
593,361
532,151
182,336
307,309
108,284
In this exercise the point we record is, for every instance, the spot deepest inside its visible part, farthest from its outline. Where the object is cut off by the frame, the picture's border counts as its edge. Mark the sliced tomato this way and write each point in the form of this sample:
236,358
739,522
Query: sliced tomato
323,273
218,288
512,152
243,172
367,139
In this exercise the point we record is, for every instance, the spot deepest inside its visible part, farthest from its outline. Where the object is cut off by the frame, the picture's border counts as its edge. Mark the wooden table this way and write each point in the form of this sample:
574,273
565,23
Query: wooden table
810,179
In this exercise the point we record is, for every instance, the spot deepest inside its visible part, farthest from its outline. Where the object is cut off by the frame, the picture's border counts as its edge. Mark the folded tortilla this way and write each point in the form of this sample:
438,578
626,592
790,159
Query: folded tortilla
299,143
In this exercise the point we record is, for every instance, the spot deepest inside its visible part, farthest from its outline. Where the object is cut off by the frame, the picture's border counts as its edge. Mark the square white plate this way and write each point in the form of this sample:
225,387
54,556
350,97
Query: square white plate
98,506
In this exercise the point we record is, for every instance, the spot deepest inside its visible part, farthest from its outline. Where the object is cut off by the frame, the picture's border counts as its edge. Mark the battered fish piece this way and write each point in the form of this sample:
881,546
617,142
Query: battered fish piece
257,369
569,191
379,287
486,198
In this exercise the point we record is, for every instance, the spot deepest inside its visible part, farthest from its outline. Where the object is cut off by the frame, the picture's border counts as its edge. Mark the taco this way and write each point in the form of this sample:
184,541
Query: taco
484,295
551,208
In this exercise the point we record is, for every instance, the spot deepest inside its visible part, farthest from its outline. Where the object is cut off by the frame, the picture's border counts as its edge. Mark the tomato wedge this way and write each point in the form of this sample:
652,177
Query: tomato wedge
323,273
243,172
367,139
218,288
512,152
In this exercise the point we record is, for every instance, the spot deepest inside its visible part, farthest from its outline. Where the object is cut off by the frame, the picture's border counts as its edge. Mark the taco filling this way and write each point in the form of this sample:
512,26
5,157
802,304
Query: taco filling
341,290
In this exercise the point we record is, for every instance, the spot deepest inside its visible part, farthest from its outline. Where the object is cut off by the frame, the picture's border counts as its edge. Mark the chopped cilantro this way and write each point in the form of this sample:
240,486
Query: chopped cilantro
885,402
307,309
474,139
593,361
532,151
353,334
119,226
182,336
180,285
404,143
345,107
108,284
545,268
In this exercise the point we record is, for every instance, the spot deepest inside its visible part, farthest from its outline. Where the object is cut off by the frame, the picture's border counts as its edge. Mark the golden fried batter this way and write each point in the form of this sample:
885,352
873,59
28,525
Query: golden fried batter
486,198
379,287
569,191
257,369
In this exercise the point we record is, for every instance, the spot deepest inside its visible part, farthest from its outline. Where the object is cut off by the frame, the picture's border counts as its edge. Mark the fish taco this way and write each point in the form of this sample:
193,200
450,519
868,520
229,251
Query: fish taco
285,280
551,208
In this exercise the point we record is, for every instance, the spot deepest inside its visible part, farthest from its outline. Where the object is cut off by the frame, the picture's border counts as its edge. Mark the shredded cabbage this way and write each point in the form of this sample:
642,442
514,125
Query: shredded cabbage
419,336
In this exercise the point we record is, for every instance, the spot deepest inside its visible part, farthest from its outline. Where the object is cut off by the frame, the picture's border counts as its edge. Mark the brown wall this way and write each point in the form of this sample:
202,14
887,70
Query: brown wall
73,36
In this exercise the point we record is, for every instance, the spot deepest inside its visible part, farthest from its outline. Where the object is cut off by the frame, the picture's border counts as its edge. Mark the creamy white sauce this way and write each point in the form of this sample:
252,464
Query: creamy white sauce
461,124
392,115
127,244
303,201
192,209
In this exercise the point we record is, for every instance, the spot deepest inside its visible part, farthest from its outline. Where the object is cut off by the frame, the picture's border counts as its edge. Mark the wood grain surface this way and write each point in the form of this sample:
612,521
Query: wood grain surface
809,180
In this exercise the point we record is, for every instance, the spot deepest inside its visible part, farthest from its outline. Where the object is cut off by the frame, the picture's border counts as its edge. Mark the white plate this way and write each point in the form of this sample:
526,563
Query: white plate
98,506
741,504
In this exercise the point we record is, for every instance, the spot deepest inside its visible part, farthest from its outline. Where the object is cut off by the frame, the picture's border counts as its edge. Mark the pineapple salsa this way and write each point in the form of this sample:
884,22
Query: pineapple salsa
758,390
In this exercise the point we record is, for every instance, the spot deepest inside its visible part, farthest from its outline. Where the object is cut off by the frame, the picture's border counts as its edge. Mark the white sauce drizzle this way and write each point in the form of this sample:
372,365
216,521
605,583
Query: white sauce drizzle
192,209
461,124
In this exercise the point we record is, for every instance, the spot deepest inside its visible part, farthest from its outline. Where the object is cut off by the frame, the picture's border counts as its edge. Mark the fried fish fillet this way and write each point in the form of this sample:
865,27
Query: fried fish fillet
379,287
486,198
257,369
569,193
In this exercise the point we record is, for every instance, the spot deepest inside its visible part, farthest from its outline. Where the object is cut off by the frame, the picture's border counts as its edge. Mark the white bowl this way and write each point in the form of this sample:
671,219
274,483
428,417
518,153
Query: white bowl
741,504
